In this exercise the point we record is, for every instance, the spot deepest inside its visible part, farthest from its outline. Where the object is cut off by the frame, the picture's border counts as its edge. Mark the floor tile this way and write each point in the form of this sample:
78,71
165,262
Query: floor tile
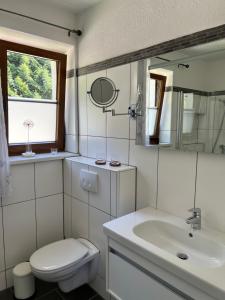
97,298
43,287
6,295
54,295
82,293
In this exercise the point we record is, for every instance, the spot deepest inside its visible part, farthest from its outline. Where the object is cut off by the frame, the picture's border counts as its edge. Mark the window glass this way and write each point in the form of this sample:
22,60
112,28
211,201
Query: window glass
31,76
32,82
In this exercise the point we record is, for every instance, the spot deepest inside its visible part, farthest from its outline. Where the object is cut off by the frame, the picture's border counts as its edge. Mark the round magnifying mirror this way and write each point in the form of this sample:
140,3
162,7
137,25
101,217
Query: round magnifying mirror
103,92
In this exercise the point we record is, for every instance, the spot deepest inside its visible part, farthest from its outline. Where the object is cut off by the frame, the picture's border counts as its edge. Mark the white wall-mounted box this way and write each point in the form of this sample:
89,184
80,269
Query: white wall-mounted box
115,188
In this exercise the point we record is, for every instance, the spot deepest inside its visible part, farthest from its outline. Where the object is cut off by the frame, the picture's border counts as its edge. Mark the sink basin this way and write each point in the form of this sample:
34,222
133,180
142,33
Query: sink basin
199,249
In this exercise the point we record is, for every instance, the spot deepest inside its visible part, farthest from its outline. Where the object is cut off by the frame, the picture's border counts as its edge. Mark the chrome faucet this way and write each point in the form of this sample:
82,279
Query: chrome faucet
195,219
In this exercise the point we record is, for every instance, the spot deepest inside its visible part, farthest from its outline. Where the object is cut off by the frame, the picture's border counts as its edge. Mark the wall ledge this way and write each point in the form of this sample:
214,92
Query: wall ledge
18,160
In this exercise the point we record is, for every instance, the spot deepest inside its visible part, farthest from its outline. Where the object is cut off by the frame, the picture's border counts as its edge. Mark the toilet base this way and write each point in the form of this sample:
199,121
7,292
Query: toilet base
80,278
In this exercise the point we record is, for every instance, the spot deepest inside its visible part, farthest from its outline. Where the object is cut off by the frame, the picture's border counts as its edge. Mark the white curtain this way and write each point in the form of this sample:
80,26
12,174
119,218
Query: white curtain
4,158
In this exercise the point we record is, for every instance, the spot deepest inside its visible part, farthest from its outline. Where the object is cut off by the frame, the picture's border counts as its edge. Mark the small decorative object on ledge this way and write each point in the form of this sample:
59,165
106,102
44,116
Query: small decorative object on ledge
54,151
100,162
28,124
115,163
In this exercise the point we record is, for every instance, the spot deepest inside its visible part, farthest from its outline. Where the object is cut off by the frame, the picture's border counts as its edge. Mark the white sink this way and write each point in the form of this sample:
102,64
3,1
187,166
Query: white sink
198,250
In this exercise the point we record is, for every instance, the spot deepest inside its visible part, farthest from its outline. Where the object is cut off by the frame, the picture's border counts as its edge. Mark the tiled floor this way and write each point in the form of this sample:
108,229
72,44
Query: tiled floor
50,291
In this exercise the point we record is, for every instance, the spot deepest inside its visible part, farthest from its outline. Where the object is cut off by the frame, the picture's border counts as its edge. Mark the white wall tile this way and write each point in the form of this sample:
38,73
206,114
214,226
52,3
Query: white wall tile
48,178
176,181
22,181
20,232
118,149
2,281
96,219
67,216
96,118
9,278
67,178
210,190
70,106
2,262
82,100
79,219
121,77
71,143
101,199
49,219
83,145
96,147
118,126
145,159
77,191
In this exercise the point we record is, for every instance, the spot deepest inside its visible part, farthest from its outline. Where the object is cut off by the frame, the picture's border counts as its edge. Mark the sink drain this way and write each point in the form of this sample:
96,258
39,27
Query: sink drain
182,256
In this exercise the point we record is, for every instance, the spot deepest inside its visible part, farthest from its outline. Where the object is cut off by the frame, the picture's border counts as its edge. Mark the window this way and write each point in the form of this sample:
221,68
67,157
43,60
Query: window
33,84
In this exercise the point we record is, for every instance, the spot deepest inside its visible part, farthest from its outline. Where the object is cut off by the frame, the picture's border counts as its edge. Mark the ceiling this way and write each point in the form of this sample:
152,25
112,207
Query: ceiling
76,6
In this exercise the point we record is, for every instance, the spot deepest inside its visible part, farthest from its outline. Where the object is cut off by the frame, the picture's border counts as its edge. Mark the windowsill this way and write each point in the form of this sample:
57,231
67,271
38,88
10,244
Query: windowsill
18,160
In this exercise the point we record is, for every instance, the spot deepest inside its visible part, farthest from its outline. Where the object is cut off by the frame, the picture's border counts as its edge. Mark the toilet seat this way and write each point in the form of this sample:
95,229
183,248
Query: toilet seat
58,256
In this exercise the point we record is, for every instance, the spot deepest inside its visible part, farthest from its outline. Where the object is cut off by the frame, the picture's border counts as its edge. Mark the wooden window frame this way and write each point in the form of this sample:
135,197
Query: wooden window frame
42,147
159,97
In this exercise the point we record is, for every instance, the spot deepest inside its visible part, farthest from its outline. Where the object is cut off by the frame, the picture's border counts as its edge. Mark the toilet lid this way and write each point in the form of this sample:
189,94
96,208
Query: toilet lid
58,255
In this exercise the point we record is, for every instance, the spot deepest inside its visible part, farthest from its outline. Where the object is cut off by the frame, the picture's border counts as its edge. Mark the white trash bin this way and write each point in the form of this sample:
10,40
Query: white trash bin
24,286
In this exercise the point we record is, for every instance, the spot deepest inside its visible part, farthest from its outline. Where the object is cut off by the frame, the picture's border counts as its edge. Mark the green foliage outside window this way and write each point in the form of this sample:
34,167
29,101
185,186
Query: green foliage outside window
29,76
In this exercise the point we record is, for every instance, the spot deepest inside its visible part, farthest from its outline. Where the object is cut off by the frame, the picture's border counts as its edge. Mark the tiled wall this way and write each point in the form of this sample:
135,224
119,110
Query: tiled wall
32,216
169,180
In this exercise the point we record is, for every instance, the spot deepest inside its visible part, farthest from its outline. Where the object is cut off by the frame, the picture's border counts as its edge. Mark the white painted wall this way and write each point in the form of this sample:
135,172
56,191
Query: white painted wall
115,27
41,10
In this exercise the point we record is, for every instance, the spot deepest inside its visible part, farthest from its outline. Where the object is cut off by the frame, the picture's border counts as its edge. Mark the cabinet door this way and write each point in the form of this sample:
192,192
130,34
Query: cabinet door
126,282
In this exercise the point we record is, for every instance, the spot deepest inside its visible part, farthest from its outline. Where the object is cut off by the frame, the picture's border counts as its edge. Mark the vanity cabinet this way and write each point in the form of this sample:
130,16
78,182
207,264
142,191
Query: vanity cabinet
128,282
132,276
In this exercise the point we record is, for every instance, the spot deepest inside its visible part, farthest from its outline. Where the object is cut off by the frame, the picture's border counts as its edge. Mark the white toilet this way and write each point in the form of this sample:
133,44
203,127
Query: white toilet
70,263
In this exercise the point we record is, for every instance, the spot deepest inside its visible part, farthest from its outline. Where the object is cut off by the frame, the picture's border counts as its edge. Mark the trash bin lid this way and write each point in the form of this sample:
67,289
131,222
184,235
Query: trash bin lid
22,269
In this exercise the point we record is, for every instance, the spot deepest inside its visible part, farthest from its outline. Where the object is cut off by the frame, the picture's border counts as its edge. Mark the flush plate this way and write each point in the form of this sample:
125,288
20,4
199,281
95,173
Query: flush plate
89,181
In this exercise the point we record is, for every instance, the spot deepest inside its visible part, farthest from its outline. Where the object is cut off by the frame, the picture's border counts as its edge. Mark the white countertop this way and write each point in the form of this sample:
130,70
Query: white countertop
91,162
210,280
19,159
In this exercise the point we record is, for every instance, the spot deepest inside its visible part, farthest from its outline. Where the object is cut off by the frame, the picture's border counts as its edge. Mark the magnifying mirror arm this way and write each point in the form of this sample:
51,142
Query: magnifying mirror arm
132,112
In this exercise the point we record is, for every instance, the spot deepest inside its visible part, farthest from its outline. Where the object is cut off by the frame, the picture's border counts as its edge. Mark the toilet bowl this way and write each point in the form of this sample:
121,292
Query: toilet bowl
70,263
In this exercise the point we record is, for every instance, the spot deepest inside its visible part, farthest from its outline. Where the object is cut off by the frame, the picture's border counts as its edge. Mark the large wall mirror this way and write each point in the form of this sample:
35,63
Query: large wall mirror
183,94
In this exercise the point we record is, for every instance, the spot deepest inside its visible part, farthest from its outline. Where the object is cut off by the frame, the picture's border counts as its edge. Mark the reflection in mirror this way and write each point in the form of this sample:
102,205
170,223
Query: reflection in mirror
103,92
184,99
156,97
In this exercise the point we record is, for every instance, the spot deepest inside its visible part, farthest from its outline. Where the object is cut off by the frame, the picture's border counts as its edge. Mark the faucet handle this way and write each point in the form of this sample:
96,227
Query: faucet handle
195,210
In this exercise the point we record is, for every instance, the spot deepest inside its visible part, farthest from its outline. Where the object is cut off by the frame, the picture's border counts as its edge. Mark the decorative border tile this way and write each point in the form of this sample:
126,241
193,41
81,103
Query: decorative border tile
70,73
197,92
200,37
